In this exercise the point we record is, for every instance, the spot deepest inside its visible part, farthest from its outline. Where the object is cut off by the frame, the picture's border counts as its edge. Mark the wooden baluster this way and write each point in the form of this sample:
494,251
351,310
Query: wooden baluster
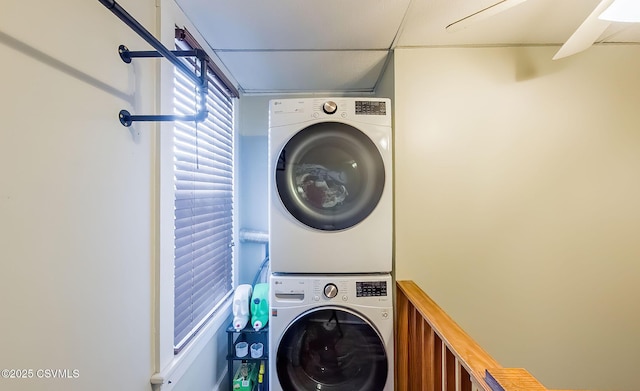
415,350
402,341
428,372
450,369
438,364
465,379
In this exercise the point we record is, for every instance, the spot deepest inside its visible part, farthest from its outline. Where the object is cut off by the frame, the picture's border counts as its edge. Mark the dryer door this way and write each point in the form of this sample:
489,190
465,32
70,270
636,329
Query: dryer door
331,348
330,176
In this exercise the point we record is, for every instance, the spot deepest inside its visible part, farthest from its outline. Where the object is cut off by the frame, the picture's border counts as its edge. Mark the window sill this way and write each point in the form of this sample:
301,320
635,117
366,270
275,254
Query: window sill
181,362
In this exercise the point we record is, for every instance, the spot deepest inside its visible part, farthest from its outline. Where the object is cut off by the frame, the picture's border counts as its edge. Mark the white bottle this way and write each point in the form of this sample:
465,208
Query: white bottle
241,313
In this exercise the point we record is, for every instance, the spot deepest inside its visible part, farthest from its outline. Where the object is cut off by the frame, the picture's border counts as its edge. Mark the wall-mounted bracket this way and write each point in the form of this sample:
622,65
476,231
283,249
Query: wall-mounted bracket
126,55
200,80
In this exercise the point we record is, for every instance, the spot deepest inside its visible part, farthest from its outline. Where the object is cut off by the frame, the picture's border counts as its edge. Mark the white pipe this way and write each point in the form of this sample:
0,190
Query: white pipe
254,236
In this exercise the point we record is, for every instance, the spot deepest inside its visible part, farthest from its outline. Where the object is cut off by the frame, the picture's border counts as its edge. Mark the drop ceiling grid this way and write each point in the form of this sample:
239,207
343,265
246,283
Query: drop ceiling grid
337,45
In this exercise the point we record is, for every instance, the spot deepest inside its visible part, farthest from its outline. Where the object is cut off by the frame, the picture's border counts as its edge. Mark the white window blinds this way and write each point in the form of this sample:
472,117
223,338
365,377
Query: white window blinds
203,205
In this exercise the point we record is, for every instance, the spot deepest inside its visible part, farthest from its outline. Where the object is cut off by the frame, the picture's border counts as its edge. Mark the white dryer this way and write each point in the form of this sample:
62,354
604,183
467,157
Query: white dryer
331,333
330,185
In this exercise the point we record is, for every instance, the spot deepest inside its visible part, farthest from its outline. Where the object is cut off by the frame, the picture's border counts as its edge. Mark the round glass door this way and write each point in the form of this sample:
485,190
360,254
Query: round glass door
330,176
331,349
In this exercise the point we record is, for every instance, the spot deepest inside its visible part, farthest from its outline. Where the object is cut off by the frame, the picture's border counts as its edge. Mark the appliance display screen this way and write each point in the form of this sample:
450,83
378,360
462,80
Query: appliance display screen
367,107
371,288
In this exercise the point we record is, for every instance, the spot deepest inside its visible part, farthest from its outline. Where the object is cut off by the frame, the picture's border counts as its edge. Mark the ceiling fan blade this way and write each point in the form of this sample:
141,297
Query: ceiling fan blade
586,34
482,14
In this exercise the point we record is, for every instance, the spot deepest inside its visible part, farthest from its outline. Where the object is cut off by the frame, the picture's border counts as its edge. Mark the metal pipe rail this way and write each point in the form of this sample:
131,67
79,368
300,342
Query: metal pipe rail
201,81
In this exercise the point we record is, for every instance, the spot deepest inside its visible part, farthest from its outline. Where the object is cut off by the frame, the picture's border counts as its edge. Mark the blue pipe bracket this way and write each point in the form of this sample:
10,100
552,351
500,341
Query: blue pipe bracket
201,81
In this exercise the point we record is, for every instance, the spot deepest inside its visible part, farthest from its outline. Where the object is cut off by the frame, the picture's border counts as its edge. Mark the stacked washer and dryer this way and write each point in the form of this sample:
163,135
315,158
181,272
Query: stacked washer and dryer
330,242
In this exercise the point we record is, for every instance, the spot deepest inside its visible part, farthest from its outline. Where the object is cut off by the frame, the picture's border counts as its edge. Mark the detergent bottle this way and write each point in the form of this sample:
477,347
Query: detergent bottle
261,377
260,306
241,313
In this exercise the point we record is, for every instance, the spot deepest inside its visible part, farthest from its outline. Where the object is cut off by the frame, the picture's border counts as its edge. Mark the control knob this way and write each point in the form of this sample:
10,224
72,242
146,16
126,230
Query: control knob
330,290
329,107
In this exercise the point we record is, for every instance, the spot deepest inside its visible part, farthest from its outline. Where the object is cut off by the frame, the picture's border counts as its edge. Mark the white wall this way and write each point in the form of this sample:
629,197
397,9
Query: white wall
75,197
252,151
78,200
517,208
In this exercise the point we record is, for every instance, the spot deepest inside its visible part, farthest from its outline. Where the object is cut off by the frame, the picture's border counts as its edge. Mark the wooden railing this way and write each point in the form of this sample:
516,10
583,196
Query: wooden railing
434,354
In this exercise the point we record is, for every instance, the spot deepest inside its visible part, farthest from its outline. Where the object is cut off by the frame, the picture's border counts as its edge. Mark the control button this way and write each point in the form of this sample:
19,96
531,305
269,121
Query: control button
345,297
329,107
343,114
330,290
316,298
316,115
385,314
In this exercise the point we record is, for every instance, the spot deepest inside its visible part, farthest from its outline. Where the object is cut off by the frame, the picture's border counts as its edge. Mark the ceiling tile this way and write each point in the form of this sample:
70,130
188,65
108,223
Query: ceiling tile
296,24
306,71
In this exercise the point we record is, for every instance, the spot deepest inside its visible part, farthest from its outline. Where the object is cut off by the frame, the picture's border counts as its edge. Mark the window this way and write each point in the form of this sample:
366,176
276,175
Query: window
203,175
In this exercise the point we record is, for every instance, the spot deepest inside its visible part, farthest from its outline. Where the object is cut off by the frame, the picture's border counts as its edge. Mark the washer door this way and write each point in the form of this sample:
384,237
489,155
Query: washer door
331,348
330,176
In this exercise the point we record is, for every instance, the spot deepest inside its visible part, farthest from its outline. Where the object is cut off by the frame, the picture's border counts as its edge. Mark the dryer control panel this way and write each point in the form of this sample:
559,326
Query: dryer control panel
370,107
289,112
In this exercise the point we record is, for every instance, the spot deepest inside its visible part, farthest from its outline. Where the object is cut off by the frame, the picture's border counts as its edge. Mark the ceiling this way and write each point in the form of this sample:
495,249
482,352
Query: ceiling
282,46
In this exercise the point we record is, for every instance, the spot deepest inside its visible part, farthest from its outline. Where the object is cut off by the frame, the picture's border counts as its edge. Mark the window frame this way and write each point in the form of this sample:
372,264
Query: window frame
168,366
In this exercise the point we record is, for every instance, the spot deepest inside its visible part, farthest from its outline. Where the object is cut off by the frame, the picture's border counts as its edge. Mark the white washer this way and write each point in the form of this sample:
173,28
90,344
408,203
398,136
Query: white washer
332,333
330,185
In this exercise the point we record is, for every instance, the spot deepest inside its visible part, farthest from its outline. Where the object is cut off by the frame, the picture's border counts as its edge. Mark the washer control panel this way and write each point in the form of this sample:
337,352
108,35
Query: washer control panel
363,290
371,288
